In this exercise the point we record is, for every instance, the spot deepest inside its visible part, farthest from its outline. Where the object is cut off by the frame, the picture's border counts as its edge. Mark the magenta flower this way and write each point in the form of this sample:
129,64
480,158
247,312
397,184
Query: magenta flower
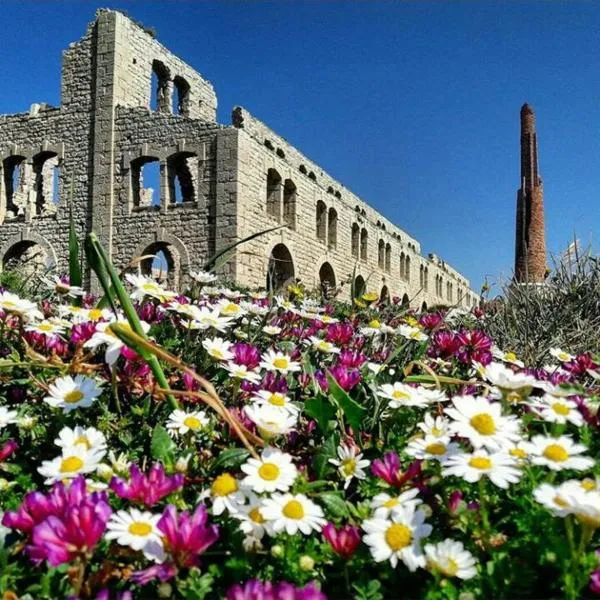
389,470
352,359
344,540
82,332
246,354
475,346
147,489
163,572
257,590
431,321
346,378
581,365
444,344
8,450
339,333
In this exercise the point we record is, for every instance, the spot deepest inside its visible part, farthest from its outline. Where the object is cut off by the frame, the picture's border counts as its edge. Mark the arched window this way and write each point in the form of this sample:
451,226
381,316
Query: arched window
426,279
274,194
407,268
46,172
161,264
145,181
28,259
289,203
402,266
405,301
14,193
332,228
359,286
421,277
381,254
388,257
364,244
181,96
280,270
424,306
321,220
355,239
161,90
327,280
181,170
384,296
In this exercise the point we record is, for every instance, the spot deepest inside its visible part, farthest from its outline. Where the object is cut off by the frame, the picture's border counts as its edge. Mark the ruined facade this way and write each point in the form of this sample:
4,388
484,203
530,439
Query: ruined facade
135,152
530,244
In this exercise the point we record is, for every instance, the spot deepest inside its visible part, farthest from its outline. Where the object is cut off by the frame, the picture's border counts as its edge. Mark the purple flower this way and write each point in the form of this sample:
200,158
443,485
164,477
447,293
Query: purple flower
163,572
346,378
257,590
246,354
431,321
455,500
8,450
147,489
389,470
82,332
475,346
352,359
445,344
340,333
344,540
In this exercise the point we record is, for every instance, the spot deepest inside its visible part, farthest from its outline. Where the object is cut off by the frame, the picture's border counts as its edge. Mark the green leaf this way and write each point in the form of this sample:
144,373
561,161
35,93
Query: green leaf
326,451
231,458
352,410
162,446
335,504
320,410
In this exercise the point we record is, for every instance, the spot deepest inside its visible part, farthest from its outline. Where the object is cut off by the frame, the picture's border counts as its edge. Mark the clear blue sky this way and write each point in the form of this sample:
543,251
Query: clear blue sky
413,106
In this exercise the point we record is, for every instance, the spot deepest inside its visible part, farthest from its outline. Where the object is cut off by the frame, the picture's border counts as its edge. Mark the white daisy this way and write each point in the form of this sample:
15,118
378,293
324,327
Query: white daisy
242,372
62,288
498,467
432,448
47,327
13,304
7,416
70,393
321,345
437,427
401,395
280,362
271,329
92,439
412,333
252,520
561,355
555,498
451,559
137,530
73,461
218,348
383,504
230,309
508,381
225,494
558,453
203,276
482,423
557,410
293,513
276,399
144,286
508,357
104,336
273,471
181,422
350,463
270,420
398,537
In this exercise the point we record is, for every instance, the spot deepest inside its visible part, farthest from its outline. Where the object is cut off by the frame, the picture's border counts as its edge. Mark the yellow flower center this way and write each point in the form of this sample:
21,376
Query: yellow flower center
400,395
255,516
436,431
224,485
293,510
216,353
588,484
277,400
398,536
561,409
510,356
518,452
95,314
556,453
281,363
483,423
139,528
45,327
450,569
391,503
268,471
73,396
374,324
560,502
436,448
192,423
480,462
323,345
564,356
348,467
9,305
71,464
82,439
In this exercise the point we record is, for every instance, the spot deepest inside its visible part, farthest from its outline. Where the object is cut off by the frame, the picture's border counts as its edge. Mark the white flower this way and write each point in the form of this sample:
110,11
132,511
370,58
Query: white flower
411,333
451,559
375,368
556,499
137,530
47,327
77,314
119,463
350,463
482,423
558,453
321,345
218,348
13,304
398,537
144,286
225,494
230,309
498,467
70,393
253,522
181,422
293,513
383,504
506,379
4,531
203,276
60,287
231,294
437,427
104,336
276,399
271,329
242,372
509,357
557,410
72,462
7,416
277,361
92,439
273,471
432,448
401,395
270,420
561,355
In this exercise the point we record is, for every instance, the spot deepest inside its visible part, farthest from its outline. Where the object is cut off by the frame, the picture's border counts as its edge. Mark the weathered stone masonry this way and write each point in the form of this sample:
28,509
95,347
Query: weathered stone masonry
128,105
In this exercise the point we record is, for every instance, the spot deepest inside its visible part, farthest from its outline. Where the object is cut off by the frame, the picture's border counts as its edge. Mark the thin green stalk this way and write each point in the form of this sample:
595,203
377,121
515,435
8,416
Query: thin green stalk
483,509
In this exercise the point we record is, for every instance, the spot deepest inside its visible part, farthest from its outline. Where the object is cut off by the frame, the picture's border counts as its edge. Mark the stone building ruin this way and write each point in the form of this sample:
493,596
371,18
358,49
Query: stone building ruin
135,151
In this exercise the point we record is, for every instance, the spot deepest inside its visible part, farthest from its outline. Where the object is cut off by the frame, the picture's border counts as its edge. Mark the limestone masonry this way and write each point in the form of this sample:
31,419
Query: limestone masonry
136,145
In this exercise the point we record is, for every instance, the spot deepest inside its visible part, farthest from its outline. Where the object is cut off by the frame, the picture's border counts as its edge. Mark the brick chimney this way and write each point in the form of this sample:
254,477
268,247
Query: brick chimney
530,247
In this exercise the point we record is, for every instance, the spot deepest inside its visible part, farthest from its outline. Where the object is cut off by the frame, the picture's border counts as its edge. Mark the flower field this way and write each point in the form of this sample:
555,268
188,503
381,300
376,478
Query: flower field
227,444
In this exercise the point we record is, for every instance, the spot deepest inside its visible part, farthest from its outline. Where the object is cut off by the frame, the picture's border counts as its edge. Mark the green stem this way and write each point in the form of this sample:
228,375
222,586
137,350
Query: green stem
483,509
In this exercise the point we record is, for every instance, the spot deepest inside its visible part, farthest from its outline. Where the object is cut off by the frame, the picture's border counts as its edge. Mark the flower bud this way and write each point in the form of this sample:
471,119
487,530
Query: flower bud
306,563
277,551
164,590
104,472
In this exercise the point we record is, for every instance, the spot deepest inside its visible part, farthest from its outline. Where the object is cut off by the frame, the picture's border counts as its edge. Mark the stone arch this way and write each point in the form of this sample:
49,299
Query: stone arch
181,96
384,296
31,255
160,94
360,286
405,301
424,306
280,268
327,279
175,252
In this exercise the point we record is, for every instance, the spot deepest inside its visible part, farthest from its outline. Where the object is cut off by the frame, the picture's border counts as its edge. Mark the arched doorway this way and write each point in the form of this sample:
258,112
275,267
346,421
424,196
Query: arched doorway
384,296
327,279
280,270
405,301
161,264
424,306
27,259
359,286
